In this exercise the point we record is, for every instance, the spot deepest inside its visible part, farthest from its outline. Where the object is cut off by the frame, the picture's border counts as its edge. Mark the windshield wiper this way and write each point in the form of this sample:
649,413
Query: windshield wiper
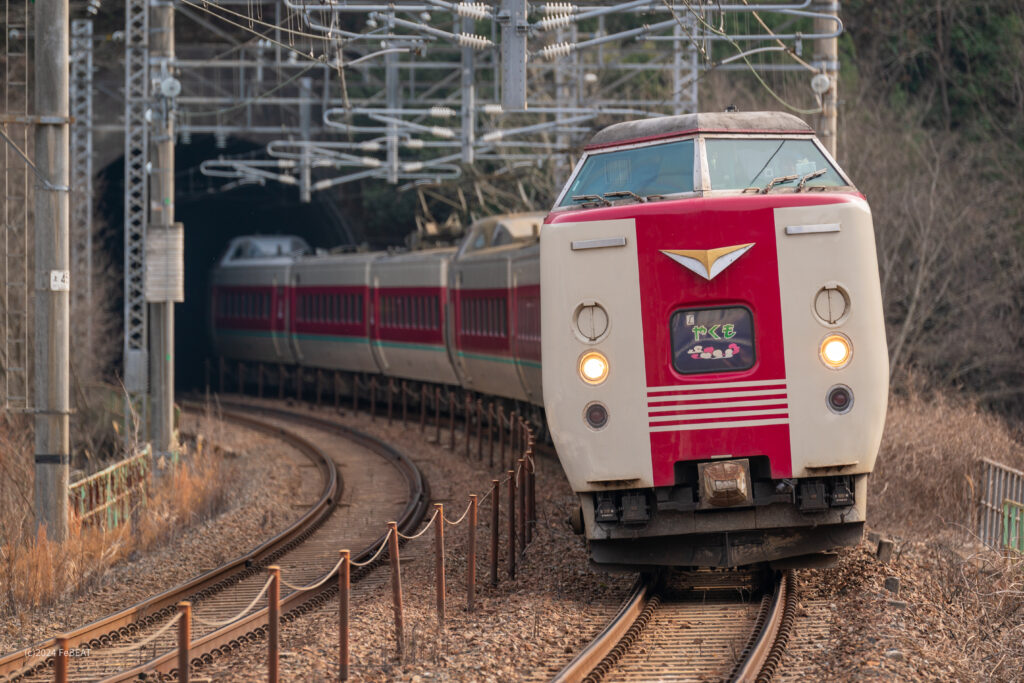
810,176
775,181
626,193
590,198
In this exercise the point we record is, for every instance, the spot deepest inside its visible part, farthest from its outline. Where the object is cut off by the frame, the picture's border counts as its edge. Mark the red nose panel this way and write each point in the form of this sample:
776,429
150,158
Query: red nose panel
736,413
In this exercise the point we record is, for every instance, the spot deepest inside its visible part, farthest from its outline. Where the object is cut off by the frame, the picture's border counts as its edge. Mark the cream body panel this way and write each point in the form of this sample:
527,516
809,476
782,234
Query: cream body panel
808,262
241,346
481,371
526,272
338,271
409,360
620,453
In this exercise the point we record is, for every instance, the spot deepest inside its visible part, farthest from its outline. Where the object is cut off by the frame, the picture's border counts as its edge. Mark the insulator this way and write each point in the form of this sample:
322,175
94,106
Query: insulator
555,51
474,41
414,143
559,8
493,109
371,162
439,132
442,112
473,10
412,166
370,146
554,22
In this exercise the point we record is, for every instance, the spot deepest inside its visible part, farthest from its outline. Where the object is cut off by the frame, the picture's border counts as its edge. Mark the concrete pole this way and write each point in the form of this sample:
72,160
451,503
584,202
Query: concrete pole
826,57
161,222
306,125
52,281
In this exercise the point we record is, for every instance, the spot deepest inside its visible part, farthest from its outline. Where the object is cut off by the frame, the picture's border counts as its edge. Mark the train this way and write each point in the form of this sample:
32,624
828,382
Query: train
704,294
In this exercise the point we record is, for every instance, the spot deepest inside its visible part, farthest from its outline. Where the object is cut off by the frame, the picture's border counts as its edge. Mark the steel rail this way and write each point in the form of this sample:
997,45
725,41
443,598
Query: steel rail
254,626
758,661
114,627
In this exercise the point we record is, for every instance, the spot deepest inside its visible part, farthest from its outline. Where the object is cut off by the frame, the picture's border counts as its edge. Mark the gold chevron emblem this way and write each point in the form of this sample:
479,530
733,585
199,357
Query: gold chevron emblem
707,262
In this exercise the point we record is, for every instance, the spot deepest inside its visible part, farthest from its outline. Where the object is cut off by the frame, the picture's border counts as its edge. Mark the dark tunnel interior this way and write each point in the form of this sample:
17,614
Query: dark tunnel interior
212,218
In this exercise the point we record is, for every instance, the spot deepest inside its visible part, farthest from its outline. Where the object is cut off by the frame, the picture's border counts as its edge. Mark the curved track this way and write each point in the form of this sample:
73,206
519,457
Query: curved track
306,551
692,626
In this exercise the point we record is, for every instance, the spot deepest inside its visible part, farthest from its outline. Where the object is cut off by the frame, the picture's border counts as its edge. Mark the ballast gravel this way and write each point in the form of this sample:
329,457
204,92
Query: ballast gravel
522,629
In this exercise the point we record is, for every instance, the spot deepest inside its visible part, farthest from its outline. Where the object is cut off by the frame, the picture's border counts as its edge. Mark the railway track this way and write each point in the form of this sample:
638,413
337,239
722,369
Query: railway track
693,626
306,552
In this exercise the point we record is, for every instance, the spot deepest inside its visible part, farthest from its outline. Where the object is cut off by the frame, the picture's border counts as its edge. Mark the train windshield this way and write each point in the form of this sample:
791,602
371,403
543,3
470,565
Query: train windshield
640,172
744,163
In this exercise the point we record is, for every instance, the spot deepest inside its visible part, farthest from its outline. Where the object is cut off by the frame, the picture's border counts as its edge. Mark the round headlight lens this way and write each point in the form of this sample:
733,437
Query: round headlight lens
593,367
836,351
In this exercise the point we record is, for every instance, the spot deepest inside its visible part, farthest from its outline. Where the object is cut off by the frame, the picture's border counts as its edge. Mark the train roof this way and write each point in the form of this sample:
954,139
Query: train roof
718,122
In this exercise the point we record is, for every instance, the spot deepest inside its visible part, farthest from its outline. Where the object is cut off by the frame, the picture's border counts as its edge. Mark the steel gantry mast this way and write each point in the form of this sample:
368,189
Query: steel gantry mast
81,172
136,198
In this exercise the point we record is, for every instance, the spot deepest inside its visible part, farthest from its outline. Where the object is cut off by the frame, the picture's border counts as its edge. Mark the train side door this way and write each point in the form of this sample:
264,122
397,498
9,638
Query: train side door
373,311
293,295
452,324
279,316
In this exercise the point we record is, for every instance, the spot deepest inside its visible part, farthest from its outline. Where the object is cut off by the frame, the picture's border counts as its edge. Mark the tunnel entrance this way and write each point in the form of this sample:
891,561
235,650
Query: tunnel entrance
212,218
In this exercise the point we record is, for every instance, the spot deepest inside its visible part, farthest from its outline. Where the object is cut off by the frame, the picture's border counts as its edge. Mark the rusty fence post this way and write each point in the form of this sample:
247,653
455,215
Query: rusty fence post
396,587
471,569
437,413
513,431
184,640
344,584
423,408
60,664
495,528
439,563
274,625
521,491
391,397
501,435
531,500
469,407
511,524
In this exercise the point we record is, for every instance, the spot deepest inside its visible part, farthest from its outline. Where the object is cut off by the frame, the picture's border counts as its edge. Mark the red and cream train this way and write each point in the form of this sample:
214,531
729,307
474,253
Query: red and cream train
715,367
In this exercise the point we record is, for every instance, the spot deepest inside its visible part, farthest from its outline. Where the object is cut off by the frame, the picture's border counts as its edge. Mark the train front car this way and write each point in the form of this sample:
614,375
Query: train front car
715,370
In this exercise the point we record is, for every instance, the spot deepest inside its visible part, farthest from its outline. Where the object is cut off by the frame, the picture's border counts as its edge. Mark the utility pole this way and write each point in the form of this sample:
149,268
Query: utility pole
164,280
52,281
826,58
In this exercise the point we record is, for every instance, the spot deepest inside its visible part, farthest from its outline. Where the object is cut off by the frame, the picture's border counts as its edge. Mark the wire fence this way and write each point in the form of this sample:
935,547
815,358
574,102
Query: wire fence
1002,499
108,496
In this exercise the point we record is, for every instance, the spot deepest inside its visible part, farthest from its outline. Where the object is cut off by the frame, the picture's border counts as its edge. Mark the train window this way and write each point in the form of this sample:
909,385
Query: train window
741,163
712,339
650,170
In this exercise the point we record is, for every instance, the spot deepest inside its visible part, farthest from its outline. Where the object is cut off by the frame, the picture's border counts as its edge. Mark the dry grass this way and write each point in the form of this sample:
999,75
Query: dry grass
926,480
36,571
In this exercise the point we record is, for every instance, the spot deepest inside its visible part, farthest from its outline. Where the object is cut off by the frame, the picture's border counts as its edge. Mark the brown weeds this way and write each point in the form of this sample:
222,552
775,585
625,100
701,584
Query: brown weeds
926,479
37,571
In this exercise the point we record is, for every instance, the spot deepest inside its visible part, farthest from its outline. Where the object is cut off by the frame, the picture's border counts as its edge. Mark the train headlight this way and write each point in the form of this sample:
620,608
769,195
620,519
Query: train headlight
593,367
836,351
